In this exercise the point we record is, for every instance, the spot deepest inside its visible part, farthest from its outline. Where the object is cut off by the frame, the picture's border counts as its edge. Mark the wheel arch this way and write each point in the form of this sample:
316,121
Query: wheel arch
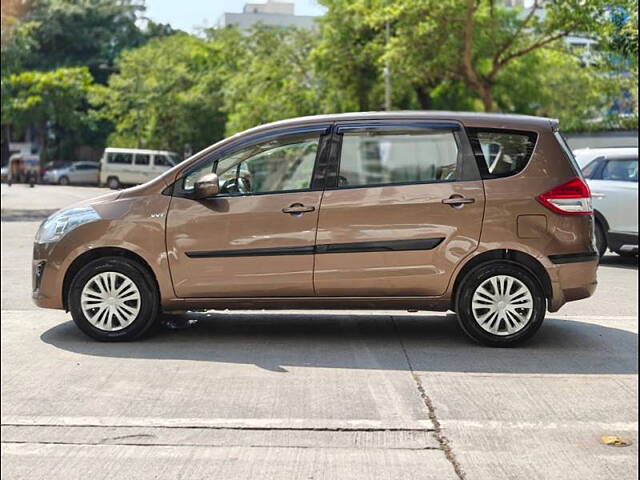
101,252
599,217
524,260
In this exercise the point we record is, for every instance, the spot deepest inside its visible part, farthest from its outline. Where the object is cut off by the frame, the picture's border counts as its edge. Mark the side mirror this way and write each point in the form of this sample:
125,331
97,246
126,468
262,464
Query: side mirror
207,186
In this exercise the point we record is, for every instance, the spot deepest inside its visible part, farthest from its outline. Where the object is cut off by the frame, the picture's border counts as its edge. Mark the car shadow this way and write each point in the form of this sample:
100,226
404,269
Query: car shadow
615,260
275,341
25,215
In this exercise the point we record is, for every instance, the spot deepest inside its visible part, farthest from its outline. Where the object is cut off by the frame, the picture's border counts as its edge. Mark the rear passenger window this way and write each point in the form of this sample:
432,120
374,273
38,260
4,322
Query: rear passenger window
500,153
142,159
624,170
121,158
162,161
382,158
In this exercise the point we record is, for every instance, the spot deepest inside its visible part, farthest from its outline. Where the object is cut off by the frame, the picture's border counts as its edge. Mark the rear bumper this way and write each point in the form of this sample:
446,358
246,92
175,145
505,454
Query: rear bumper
624,241
573,277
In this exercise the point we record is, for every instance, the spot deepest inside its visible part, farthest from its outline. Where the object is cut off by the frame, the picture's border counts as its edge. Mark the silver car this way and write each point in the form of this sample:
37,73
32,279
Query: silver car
86,173
612,175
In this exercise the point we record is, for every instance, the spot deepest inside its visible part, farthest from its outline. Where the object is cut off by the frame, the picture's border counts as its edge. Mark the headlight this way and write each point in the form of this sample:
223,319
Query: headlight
62,222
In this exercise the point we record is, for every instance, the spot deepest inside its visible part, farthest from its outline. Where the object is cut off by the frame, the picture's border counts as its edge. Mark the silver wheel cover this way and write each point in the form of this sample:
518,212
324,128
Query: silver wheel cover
110,301
502,305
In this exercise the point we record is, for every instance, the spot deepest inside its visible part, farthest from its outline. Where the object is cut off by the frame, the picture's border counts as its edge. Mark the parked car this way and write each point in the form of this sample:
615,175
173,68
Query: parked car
4,173
128,166
53,165
78,173
612,175
487,215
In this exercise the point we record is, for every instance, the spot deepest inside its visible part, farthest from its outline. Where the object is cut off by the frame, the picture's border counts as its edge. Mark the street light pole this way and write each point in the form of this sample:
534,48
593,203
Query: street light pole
386,72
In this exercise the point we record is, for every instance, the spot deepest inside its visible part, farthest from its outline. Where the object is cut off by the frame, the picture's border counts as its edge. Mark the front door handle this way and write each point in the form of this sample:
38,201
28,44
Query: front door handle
457,200
297,209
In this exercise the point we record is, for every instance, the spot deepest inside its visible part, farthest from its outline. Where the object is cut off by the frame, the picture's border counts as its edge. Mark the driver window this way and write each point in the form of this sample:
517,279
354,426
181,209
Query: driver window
279,165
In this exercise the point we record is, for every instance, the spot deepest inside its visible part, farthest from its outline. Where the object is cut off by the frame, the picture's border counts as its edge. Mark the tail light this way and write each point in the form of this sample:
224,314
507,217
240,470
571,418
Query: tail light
571,198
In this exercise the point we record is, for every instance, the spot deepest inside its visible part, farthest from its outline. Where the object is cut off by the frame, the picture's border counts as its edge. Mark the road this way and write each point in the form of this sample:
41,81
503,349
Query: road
304,395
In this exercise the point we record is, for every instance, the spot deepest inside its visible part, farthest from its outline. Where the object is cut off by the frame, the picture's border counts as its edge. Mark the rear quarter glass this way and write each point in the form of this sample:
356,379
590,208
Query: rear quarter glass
569,153
500,152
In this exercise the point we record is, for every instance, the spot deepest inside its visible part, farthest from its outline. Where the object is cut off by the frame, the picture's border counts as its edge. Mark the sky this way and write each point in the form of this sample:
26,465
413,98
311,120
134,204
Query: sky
188,15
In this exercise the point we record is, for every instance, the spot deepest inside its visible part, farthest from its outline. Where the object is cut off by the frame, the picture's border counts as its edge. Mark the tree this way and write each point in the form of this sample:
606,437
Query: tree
164,95
474,41
272,78
45,99
43,35
80,33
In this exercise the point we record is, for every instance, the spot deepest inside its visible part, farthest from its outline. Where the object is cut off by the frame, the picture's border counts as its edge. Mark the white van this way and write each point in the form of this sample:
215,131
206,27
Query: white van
132,166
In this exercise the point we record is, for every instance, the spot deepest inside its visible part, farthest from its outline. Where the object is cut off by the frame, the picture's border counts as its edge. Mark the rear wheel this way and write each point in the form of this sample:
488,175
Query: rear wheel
500,305
113,299
64,181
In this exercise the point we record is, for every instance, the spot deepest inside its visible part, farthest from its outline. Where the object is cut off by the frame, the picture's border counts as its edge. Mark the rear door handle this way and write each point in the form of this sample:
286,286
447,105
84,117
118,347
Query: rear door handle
297,209
457,200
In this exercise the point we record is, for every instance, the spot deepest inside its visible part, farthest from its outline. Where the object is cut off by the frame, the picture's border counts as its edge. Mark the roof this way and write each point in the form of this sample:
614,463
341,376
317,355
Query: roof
468,119
586,155
474,119
136,150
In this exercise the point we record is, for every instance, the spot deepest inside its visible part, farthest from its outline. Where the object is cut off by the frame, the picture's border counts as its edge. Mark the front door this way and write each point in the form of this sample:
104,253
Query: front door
257,237
406,209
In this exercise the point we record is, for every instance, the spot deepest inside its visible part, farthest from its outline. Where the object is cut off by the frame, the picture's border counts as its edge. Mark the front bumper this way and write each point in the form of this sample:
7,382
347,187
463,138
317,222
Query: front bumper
45,276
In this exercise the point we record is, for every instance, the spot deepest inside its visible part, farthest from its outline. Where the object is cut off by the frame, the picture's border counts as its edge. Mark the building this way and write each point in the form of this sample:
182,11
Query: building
276,13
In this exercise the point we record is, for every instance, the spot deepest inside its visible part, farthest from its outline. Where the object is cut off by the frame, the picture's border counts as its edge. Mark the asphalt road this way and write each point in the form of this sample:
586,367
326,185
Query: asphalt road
382,395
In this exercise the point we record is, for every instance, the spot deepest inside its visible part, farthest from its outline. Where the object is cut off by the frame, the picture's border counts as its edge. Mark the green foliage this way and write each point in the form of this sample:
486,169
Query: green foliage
272,79
165,95
46,99
159,88
80,33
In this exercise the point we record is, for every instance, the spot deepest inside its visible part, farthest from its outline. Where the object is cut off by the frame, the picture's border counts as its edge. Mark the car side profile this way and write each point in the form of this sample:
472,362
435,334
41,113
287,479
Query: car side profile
133,166
78,173
612,175
486,215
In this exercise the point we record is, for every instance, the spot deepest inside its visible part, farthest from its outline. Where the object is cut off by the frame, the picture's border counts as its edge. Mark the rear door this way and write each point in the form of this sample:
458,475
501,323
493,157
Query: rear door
84,173
121,166
406,208
142,162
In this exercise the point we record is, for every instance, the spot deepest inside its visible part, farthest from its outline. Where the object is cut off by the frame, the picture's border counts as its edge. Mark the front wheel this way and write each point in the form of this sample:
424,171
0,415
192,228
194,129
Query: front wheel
113,299
64,181
500,305
601,239
113,183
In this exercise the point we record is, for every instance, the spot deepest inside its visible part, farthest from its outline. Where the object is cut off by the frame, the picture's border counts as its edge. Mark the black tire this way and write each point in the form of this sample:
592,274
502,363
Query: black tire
473,279
113,183
64,180
601,239
149,298
627,254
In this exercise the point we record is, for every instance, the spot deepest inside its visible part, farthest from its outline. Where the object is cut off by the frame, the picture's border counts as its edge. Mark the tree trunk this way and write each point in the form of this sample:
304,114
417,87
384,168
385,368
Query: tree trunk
424,98
6,150
42,140
487,98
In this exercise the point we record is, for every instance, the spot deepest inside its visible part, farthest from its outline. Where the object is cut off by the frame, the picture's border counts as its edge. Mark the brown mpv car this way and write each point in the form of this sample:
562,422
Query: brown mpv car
485,215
